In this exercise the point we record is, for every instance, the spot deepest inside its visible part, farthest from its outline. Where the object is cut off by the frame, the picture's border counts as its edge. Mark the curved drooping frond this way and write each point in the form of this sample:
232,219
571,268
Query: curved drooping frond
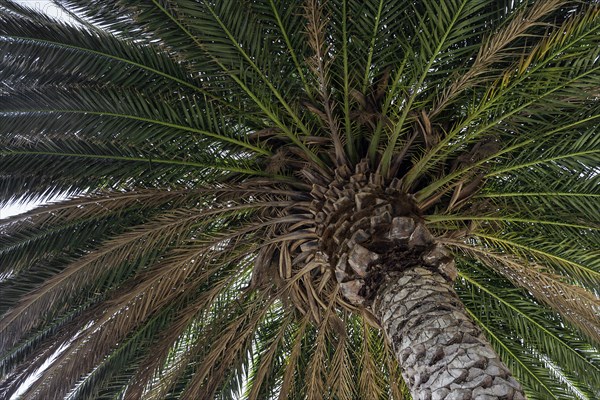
569,366
218,157
546,287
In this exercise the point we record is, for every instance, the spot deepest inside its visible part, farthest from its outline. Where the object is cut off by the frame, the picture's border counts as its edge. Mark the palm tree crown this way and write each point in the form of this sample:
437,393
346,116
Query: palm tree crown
246,182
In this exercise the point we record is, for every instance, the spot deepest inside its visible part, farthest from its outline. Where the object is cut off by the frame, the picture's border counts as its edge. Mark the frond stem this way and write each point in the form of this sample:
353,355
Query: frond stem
539,252
399,125
540,161
148,120
441,218
137,159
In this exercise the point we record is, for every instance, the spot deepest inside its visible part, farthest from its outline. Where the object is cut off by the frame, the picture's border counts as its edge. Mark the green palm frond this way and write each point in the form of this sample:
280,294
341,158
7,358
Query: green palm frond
548,288
509,317
218,161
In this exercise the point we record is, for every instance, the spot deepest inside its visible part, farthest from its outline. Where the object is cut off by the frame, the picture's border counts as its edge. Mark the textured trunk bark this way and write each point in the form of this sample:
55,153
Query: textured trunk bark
441,352
387,261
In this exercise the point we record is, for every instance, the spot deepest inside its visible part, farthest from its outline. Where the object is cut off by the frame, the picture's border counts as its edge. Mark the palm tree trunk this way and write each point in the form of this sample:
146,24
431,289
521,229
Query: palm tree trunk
405,280
441,352
387,261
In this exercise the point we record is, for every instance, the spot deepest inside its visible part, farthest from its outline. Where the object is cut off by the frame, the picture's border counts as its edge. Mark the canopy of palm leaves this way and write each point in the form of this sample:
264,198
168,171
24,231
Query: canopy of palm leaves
197,141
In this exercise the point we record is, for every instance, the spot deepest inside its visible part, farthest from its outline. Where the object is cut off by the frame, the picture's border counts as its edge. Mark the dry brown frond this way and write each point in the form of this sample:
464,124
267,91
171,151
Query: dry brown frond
85,207
120,316
154,364
172,225
159,352
126,246
292,360
230,342
318,364
266,363
106,202
369,380
11,382
397,386
340,379
175,278
320,64
235,245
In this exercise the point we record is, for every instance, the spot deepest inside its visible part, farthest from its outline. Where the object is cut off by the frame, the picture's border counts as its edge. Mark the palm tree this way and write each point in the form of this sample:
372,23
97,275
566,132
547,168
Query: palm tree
269,199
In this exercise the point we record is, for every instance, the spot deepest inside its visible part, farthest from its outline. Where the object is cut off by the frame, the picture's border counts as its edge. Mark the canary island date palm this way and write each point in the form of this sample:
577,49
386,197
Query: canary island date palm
271,199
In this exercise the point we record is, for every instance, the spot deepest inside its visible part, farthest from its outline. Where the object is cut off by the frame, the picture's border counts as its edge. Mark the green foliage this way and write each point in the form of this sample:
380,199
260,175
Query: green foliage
187,137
